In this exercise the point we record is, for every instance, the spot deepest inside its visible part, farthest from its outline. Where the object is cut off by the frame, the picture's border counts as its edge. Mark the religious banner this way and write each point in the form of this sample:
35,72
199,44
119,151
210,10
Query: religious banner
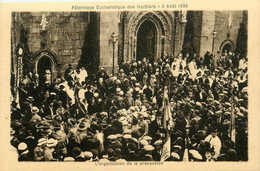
166,150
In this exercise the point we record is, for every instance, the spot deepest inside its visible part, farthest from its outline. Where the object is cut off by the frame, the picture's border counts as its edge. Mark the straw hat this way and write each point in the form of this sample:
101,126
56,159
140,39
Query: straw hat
158,143
127,136
82,126
148,148
68,159
30,98
112,137
88,154
22,146
35,109
147,138
144,142
175,156
52,142
42,141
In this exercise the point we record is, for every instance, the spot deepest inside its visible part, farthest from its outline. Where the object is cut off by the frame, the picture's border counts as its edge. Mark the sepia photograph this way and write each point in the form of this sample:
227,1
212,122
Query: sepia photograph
129,86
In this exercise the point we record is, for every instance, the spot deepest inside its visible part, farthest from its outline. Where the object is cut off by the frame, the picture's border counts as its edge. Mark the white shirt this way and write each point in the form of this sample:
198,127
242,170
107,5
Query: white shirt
214,142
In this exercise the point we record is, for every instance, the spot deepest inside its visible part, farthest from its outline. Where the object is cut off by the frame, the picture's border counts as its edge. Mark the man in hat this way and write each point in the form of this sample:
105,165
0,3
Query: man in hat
63,96
148,91
77,136
67,73
95,155
143,125
138,101
88,156
207,59
27,109
113,143
157,152
23,152
61,111
121,75
61,136
47,77
39,150
129,101
111,154
89,94
157,124
44,129
148,153
49,110
131,154
35,117
48,154
78,154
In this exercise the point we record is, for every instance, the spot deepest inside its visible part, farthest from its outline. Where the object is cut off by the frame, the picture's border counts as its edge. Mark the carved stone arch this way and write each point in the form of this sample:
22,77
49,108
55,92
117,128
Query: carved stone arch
52,57
159,16
162,25
229,43
157,24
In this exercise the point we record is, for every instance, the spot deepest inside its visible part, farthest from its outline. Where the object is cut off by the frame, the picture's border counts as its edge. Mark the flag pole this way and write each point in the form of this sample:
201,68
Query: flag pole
232,120
186,150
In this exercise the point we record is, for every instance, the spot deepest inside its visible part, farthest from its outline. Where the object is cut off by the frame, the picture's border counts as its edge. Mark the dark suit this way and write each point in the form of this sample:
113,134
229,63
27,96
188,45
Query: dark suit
62,96
155,126
118,126
80,158
115,145
148,92
147,158
132,156
47,111
156,155
88,96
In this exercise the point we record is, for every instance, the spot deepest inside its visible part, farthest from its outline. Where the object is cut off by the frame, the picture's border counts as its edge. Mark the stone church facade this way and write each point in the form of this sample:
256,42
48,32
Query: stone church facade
52,40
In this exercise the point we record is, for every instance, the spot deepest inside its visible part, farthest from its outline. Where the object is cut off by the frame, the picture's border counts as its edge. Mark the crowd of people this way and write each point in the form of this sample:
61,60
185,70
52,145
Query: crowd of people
84,116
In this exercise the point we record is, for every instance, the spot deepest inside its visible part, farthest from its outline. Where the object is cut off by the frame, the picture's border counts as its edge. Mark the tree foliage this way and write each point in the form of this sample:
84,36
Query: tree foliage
241,45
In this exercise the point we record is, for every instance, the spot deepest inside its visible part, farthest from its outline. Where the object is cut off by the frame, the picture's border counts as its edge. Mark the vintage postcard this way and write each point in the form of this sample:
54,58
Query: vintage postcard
130,85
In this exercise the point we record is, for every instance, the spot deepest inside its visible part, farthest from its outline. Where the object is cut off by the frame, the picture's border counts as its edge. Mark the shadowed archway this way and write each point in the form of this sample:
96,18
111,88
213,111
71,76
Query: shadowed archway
45,60
146,38
44,64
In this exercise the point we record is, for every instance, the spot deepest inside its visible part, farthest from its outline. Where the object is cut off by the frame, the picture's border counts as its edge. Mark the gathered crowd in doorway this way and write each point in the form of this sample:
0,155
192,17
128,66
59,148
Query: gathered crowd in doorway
197,105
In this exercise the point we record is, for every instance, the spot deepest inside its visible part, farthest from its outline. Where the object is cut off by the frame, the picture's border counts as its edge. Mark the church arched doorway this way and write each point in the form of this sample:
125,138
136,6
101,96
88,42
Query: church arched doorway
227,49
44,64
146,41
45,61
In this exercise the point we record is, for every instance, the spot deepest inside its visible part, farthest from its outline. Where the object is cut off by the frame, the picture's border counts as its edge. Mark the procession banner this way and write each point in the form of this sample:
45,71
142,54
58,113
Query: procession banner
166,150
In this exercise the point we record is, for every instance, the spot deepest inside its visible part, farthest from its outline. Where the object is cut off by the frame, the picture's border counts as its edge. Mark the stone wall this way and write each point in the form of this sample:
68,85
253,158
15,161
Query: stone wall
108,24
64,36
204,24
197,20
221,25
208,23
